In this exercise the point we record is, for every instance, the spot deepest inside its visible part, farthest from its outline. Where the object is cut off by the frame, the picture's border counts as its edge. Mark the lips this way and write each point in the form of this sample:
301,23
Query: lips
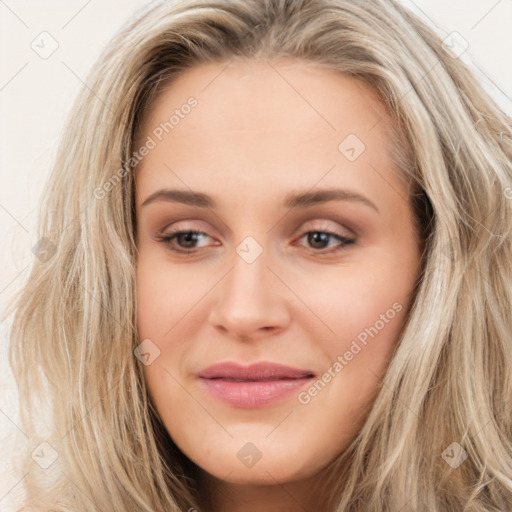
253,386
263,371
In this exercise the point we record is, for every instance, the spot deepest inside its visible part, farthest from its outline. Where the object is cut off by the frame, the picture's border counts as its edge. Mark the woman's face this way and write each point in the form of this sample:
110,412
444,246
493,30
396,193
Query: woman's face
306,257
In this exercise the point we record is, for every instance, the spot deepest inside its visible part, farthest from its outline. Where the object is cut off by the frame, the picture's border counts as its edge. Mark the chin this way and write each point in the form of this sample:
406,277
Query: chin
265,472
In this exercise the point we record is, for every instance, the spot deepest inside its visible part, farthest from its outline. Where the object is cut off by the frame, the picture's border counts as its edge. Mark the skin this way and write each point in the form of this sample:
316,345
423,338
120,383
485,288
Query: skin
259,132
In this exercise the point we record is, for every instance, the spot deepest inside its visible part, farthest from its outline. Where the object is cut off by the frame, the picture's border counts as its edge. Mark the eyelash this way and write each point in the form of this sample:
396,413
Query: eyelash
168,239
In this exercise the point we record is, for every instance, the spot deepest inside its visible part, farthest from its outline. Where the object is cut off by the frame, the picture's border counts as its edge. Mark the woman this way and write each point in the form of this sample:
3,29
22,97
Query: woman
199,349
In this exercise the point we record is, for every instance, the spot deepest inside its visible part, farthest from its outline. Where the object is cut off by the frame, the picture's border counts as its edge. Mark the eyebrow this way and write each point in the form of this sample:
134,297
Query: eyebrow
294,200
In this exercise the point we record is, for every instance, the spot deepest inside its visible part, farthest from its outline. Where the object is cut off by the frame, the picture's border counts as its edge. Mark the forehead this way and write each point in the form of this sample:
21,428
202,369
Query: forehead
289,89
261,124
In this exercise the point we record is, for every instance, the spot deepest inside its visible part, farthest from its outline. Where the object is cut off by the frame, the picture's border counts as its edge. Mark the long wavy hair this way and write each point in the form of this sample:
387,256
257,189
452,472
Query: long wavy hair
447,392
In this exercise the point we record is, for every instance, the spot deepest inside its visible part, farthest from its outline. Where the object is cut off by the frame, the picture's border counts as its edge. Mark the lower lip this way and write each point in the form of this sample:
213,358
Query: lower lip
253,394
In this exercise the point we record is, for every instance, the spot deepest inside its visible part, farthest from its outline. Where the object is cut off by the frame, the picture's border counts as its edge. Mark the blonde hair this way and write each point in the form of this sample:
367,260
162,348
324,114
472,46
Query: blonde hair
450,378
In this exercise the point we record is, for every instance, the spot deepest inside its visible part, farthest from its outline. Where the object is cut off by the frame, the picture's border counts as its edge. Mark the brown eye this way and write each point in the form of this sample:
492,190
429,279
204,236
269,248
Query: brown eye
319,240
185,240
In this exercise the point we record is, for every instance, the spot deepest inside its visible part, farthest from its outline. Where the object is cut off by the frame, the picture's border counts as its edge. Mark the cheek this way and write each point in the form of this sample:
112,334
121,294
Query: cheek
149,293
363,310
164,316
367,329
369,321
363,302
154,304
163,297
360,356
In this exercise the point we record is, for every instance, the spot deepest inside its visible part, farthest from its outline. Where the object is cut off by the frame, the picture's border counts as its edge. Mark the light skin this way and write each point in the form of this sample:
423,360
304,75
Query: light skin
260,132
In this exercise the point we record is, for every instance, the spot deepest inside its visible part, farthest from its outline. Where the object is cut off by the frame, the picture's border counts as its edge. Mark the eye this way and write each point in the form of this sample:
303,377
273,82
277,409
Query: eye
318,240
185,241
187,237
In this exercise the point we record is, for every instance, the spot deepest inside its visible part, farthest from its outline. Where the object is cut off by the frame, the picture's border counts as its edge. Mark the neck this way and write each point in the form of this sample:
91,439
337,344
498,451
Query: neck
304,495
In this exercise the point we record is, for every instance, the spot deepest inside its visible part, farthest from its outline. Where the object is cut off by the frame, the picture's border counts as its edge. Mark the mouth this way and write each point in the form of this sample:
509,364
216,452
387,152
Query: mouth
253,386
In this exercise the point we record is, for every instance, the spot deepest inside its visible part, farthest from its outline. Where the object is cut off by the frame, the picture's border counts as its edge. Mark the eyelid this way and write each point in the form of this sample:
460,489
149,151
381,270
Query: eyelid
185,225
325,225
168,238
318,225
160,236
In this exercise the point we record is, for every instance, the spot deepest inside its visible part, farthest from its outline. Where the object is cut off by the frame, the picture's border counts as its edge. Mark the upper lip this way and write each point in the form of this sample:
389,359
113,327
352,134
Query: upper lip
257,371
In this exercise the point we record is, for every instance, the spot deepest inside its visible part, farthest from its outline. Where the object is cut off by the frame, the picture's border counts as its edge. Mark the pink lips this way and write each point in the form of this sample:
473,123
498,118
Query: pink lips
255,385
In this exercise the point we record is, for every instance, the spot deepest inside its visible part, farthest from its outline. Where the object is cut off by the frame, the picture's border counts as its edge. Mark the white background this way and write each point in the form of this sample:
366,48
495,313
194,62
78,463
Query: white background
35,94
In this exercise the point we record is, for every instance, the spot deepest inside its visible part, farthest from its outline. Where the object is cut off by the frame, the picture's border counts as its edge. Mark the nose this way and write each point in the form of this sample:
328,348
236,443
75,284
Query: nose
251,301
